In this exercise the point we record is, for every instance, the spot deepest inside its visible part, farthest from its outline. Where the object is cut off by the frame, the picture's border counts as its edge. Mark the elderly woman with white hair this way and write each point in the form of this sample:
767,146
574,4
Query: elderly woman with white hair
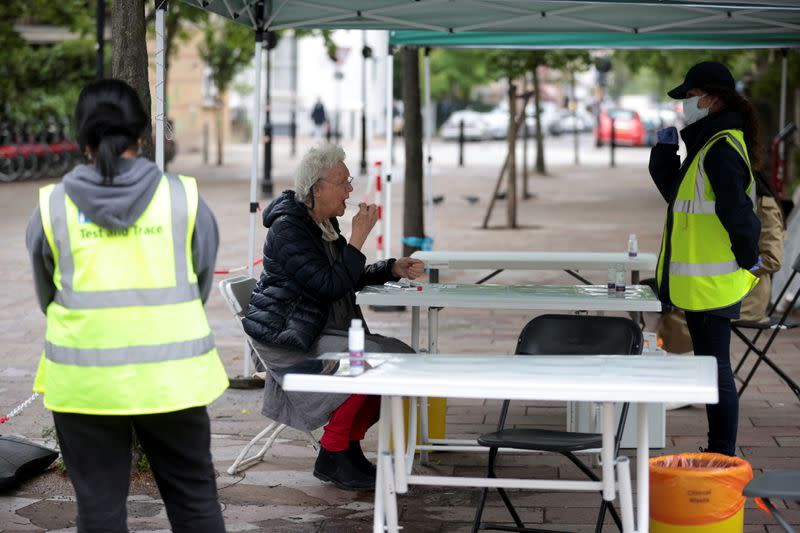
303,304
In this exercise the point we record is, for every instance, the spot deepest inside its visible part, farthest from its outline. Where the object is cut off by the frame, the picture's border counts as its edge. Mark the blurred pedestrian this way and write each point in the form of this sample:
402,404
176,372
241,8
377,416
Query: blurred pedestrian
319,118
709,251
123,258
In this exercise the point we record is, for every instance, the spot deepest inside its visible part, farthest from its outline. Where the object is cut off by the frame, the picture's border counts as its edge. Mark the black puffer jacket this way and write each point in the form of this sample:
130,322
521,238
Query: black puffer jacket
290,303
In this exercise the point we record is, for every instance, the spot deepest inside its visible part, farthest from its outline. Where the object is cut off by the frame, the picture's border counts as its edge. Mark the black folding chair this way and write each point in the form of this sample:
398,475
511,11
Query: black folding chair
561,335
775,324
778,485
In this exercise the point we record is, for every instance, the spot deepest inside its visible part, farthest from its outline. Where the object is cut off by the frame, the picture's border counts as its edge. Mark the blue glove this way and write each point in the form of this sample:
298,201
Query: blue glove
668,135
758,264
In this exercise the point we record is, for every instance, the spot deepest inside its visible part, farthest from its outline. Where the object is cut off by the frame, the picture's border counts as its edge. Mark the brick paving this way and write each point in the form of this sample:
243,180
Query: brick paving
588,208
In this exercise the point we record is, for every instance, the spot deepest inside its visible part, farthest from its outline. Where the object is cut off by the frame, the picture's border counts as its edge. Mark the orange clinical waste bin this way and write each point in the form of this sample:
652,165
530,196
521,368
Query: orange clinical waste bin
698,492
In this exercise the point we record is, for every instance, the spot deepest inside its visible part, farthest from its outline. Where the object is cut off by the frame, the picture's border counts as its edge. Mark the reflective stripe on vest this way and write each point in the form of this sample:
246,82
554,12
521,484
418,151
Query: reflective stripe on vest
703,269
129,354
183,291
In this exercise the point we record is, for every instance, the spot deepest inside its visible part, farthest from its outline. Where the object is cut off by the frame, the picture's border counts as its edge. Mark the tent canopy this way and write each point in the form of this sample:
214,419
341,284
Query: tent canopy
527,16
576,40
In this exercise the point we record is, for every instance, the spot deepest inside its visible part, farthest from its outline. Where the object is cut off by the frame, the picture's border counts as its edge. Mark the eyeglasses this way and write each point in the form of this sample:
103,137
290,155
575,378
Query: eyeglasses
340,183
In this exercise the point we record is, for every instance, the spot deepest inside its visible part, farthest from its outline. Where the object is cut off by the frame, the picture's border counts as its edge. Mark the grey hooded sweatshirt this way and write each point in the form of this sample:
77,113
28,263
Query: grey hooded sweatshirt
118,206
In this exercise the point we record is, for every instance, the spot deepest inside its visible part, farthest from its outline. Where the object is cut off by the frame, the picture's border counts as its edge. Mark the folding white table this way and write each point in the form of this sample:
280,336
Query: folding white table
607,379
490,296
436,296
570,262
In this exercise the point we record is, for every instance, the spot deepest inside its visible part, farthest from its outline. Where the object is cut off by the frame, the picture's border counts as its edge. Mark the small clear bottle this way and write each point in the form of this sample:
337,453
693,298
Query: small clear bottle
633,245
612,280
620,281
355,345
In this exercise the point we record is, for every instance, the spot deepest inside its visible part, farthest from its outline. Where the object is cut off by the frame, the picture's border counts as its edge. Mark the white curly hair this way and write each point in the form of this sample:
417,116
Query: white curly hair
313,166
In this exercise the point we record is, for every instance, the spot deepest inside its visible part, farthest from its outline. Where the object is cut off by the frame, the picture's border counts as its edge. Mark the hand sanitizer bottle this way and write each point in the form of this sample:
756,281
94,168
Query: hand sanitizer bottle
633,245
355,337
620,283
612,280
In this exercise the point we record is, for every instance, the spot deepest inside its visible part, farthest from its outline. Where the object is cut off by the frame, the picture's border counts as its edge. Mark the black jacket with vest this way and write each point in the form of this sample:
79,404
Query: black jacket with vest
290,304
729,176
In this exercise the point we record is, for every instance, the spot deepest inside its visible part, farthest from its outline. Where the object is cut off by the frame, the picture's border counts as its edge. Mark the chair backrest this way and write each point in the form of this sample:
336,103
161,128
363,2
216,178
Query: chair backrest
236,292
580,335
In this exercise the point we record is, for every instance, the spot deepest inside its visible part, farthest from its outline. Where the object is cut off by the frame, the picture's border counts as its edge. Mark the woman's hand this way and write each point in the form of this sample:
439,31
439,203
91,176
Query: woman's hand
409,268
363,222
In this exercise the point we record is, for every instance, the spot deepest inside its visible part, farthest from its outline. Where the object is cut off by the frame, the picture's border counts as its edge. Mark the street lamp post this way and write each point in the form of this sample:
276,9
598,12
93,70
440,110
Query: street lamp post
270,41
100,43
366,53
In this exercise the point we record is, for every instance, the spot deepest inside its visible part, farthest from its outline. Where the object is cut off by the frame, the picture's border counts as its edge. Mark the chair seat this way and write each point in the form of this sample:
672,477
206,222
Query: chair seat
766,324
777,484
541,439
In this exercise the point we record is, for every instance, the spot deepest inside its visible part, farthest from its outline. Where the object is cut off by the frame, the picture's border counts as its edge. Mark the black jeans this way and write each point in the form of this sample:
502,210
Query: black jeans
711,335
97,453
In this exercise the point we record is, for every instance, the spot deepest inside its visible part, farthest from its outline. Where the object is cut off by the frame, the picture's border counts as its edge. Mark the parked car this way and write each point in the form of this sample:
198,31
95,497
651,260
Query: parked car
476,128
497,123
569,122
629,128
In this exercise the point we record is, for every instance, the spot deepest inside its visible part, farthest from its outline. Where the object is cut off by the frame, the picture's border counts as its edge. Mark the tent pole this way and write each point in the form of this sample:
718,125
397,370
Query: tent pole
254,178
387,204
161,11
428,127
784,66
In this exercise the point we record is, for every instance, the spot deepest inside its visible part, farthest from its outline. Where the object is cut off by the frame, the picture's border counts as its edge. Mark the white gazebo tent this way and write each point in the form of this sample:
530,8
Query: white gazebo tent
555,23
544,23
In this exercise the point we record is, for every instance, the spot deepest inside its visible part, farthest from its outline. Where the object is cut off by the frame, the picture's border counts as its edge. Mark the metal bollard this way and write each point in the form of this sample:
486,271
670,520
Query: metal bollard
613,142
461,143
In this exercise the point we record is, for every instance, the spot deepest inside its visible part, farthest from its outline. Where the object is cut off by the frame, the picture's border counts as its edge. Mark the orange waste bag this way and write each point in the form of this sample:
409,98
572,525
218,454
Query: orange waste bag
697,492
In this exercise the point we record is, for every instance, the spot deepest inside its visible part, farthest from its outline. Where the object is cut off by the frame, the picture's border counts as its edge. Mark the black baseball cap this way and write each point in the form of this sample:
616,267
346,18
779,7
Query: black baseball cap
702,75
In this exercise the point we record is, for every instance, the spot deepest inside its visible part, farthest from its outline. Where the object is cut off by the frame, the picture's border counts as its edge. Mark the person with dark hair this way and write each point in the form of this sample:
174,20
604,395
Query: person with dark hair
123,257
709,250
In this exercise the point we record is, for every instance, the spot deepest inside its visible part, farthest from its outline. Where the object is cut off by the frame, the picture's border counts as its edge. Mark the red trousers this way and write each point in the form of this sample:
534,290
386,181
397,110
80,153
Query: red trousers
350,421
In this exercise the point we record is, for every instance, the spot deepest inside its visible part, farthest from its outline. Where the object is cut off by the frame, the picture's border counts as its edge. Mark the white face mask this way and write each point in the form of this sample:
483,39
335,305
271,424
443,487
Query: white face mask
691,112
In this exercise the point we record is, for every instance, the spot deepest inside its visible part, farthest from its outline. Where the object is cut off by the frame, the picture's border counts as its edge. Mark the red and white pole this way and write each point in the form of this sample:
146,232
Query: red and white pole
379,203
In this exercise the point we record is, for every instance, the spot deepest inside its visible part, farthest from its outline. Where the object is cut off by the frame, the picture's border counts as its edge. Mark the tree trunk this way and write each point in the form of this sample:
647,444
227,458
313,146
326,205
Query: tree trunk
218,113
511,189
413,225
540,168
129,61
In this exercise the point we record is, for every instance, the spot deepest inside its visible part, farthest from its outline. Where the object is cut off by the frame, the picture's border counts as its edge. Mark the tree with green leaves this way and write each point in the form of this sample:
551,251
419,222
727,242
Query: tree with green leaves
43,81
515,65
227,48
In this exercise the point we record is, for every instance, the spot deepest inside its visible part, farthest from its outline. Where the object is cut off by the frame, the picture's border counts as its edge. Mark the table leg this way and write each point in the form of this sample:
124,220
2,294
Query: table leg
411,441
401,486
385,518
433,275
433,334
643,469
625,494
415,328
607,452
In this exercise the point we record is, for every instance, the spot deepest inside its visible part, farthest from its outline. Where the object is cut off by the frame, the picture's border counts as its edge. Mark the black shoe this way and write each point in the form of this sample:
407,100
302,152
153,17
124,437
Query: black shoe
359,460
337,468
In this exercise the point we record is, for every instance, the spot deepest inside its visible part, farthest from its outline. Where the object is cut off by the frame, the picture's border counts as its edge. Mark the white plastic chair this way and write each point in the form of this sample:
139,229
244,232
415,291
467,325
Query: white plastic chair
236,293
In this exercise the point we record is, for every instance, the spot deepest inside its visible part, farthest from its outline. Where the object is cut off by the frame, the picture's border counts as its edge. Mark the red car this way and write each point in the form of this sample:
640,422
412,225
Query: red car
629,128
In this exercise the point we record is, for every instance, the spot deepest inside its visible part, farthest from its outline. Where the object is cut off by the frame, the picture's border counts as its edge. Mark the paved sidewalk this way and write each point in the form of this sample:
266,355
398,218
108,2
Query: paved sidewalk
586,208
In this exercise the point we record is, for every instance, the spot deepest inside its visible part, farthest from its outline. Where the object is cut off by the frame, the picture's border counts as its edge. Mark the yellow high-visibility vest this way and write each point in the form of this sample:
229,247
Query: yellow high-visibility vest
126,331
703,272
